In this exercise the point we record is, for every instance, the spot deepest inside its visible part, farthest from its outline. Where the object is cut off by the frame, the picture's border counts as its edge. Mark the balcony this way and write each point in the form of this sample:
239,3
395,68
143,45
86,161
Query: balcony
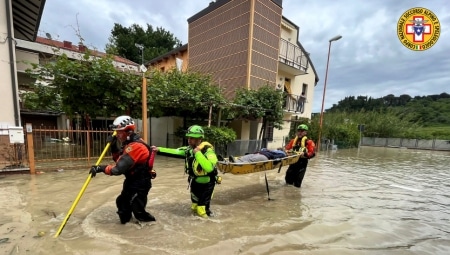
292,104
292,58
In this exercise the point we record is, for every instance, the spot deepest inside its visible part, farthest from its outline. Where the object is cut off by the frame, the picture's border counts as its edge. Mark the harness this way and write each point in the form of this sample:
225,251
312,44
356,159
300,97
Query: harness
189,169
306,146
143,170
300,145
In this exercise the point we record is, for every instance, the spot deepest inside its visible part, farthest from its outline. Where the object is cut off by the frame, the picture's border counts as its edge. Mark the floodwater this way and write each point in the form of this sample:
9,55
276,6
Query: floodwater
366,201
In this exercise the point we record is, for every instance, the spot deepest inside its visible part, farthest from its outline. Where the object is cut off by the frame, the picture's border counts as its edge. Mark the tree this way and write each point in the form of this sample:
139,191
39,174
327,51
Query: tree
265,102
91,86
342,127
431,110
155,42
175,93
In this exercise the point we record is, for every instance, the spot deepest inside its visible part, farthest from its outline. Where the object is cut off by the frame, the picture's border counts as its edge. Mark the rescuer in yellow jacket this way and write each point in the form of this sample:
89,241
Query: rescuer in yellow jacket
200,165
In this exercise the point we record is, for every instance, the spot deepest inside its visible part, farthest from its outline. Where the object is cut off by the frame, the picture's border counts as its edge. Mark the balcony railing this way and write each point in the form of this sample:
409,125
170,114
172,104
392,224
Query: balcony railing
294,103
293,56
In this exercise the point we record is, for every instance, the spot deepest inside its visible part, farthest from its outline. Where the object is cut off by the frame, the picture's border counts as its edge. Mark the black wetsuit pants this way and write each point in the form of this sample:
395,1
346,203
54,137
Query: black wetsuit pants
296,172
201,193
133,199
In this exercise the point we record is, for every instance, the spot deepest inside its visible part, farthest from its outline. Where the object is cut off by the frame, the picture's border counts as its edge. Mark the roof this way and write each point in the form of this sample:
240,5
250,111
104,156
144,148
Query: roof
303,49
80,48
26,18
40,112
214,4
168,54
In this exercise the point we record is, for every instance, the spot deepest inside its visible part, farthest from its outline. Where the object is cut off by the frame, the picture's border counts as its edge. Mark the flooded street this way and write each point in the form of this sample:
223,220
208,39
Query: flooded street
366,201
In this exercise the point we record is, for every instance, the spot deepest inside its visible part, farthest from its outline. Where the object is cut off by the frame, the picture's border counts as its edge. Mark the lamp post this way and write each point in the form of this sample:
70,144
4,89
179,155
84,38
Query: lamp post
144,94
325,88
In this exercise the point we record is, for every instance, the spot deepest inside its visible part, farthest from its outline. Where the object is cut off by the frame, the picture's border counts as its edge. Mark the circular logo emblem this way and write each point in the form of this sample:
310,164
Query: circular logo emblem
418,29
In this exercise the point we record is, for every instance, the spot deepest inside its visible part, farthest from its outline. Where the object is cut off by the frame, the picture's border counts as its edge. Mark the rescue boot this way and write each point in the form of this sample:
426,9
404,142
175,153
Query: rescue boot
144,217
124,216
194,207
201,211
208,211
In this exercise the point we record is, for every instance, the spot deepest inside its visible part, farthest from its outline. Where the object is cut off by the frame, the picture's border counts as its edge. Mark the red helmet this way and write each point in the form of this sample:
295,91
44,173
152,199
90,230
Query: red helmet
123,122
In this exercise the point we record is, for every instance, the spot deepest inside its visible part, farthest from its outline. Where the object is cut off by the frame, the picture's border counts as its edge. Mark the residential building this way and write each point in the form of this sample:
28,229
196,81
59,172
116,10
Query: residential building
40,52
19,20
248,44
176,58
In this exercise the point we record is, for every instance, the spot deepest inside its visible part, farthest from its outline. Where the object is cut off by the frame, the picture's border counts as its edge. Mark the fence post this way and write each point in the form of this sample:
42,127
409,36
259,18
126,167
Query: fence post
30,146
88,144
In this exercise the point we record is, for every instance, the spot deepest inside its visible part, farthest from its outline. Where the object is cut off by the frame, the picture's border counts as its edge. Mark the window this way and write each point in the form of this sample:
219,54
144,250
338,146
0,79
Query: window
305,88
269,132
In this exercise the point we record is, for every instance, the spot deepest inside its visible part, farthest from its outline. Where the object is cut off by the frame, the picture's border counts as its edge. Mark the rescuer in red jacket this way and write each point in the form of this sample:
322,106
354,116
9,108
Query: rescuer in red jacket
300,144
132,160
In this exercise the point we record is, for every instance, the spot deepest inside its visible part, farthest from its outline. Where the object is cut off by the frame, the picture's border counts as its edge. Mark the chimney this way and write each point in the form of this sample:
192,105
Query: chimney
68,44
81,47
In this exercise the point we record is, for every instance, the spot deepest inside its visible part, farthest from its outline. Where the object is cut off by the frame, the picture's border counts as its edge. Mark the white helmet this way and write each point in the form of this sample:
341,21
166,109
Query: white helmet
123,122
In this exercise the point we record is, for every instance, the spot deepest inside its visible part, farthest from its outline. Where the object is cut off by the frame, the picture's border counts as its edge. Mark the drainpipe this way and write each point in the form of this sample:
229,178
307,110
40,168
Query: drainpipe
9,24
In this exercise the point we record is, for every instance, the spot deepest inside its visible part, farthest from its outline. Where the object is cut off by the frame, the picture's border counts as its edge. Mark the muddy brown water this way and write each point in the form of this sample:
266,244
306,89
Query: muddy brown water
358,201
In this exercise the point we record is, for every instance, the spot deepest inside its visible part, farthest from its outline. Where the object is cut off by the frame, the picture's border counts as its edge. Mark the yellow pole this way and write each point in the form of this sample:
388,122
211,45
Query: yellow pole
86,183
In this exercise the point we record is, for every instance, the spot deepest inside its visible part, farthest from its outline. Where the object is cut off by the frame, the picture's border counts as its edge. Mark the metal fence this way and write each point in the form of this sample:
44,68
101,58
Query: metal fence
67,149
241,147
434,144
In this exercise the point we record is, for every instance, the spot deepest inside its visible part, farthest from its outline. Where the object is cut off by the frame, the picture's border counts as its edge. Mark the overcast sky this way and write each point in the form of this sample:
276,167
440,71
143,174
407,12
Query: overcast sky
369,60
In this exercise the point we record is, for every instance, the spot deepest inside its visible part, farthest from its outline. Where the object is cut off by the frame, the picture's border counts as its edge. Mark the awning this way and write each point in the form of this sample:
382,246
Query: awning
26,18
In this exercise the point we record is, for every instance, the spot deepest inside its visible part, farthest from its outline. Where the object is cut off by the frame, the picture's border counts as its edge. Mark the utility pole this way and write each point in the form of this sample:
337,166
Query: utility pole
144,94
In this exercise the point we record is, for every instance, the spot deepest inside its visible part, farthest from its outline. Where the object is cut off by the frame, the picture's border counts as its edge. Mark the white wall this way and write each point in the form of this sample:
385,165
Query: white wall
7,109
160,127
24,58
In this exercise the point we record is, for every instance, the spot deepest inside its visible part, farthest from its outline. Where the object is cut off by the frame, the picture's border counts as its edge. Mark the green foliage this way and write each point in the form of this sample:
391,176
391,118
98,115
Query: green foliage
219,136
42,98
176,93
90,85
429,133
156,42
421,117
265,102
428,110
342,127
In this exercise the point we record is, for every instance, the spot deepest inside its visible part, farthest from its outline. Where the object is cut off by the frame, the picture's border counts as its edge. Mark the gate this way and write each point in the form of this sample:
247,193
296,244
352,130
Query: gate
56,150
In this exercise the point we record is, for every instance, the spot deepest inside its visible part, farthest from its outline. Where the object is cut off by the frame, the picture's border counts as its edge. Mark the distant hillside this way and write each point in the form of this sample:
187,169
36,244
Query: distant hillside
432,110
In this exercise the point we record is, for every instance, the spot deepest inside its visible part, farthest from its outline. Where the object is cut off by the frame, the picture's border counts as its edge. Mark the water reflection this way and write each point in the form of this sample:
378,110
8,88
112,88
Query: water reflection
361,201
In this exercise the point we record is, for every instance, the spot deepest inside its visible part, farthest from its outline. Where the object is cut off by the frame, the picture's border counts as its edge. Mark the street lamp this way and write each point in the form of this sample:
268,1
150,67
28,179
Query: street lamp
325,88
144,94
141,48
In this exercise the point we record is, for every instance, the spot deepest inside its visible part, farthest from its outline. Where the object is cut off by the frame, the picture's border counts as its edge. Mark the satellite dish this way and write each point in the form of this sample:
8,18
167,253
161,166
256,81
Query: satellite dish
48,35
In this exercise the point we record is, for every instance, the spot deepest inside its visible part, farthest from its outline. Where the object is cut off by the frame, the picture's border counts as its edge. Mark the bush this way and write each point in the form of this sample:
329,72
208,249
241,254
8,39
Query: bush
217,136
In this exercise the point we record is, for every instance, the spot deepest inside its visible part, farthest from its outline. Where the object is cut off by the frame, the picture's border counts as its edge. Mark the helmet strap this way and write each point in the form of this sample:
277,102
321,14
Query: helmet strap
129,134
